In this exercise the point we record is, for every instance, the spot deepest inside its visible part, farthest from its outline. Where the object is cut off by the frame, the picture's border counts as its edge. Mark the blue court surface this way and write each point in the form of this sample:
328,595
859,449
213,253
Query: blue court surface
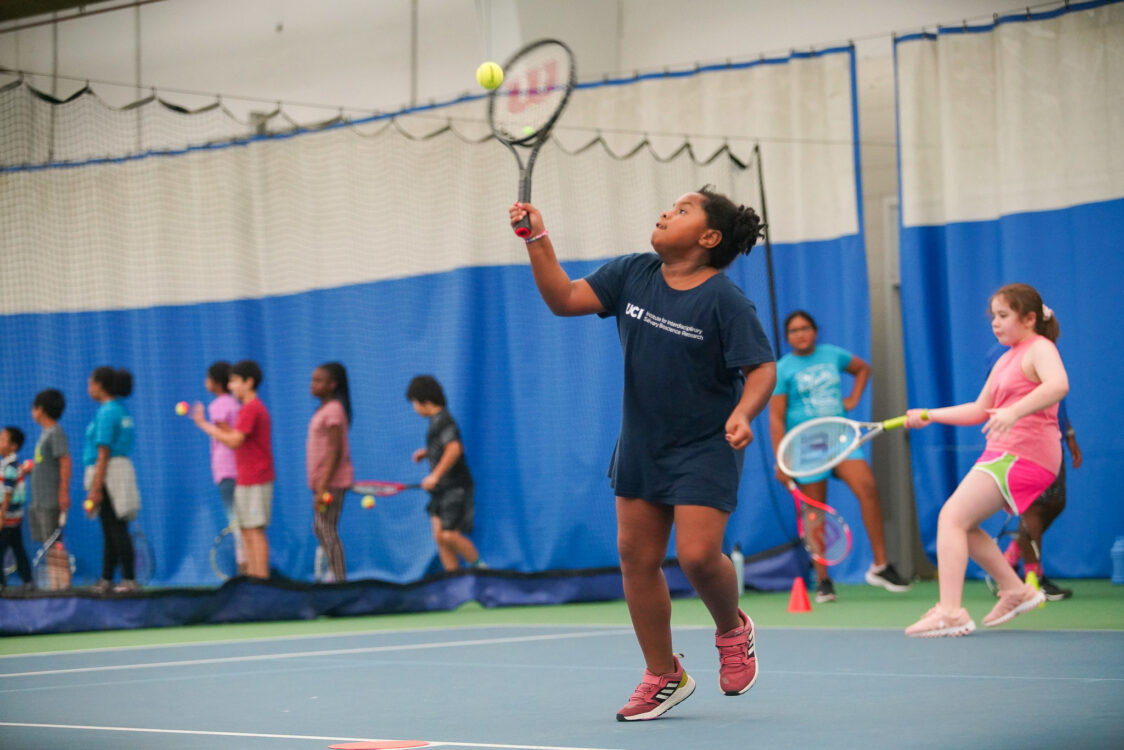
558,688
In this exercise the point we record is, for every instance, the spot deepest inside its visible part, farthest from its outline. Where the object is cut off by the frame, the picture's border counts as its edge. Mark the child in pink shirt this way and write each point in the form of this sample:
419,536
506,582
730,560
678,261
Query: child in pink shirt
328,454
1018,406
223,411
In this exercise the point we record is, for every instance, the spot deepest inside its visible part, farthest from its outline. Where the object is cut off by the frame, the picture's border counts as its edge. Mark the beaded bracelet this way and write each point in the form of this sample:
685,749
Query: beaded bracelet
539,236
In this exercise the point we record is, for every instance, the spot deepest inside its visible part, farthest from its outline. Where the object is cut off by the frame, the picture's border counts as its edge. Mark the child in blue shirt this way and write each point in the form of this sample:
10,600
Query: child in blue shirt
809,385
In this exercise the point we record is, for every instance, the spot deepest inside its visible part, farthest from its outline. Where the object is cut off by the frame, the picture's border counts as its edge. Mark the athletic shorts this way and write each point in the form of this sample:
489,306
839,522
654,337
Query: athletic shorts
455,508
1020,481
254,504
862,454
43,522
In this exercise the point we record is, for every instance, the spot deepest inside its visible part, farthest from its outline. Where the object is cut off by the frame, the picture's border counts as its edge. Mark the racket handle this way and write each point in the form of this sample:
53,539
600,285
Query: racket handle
896,422
522,228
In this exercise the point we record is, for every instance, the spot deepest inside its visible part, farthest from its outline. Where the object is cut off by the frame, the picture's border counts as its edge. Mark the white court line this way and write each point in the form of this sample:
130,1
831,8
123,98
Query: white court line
496,626
325,652
309,637
145,730
925,676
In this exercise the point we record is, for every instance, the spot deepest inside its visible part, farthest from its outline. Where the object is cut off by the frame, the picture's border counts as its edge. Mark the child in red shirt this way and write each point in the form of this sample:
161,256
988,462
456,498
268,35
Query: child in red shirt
250,437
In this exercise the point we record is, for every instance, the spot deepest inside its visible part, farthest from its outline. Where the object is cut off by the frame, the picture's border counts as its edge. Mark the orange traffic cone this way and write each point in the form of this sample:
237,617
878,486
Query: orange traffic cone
798,599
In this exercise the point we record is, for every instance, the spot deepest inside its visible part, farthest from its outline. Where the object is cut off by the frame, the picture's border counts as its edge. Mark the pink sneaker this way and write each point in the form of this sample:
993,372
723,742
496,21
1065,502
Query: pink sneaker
737,657
1011,604
656,694
937,623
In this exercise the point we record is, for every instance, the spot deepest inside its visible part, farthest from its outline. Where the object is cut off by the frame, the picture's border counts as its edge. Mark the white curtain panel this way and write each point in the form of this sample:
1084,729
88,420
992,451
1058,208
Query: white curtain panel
800,110
154,201
1025,116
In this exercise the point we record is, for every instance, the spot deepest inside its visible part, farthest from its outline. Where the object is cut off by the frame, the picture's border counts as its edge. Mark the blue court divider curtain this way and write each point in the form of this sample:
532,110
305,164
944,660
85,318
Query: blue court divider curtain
160,240
1012,169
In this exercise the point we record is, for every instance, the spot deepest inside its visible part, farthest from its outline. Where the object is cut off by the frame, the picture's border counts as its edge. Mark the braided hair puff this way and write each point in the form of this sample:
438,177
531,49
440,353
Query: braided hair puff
740,227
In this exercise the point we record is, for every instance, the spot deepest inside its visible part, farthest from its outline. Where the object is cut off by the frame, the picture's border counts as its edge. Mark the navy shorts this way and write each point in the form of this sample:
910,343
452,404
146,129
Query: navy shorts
455,508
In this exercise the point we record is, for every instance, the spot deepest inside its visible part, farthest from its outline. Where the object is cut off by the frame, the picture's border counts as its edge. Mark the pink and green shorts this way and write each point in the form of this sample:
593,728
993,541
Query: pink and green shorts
1020,481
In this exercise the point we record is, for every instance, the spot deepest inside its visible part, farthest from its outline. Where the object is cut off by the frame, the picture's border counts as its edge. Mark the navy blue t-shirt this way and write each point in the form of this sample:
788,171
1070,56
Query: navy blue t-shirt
683,351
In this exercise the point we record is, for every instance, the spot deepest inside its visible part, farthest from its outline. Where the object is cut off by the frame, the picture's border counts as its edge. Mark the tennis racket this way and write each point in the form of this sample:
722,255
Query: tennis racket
322,567
373,488
144,560
537,83
824,532
224,554
825,442
52,567
1008,533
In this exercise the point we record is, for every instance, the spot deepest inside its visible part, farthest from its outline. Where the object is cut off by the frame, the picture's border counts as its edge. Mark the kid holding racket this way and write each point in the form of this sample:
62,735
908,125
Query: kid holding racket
50,480
223,411
328,457
698,369
250,437
1018,406
809,385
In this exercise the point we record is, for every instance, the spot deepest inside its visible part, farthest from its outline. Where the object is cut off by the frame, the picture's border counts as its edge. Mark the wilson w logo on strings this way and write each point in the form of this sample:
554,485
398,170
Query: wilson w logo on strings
519,98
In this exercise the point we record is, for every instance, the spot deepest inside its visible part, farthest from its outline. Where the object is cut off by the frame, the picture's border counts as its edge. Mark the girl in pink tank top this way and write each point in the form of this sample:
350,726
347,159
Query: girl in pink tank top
1018,407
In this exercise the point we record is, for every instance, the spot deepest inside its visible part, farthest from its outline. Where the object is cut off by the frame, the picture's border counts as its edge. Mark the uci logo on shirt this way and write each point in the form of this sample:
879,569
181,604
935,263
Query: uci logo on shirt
633,311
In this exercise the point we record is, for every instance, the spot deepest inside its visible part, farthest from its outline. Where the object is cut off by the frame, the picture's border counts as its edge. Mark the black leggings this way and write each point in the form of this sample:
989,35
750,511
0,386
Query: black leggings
10,537
1038,517
118,544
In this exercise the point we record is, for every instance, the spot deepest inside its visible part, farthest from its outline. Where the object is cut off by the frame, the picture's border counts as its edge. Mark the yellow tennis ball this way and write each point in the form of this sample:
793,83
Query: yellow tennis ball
88,505
368,502
489,75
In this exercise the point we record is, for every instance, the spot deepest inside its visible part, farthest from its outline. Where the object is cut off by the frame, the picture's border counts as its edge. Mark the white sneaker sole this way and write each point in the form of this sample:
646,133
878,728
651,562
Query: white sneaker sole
951,632
873,580
1026,606
674,700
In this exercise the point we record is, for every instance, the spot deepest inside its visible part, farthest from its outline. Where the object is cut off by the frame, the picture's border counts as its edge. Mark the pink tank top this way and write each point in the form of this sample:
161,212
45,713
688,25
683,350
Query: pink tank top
1036,436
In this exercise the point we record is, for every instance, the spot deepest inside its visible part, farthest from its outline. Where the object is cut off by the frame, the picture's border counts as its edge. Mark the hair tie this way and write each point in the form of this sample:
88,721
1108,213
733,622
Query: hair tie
1047,313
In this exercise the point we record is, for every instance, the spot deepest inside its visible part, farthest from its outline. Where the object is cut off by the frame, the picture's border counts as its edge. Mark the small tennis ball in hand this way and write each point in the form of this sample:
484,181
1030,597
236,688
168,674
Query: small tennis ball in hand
489,75
368,502
181,408
88,505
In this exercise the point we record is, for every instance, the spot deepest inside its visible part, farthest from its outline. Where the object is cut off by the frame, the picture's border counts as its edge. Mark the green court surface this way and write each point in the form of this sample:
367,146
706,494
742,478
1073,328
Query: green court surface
1096,605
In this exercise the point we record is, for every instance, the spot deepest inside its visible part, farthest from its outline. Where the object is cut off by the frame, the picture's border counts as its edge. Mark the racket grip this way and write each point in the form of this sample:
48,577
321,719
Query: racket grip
522,228
893,424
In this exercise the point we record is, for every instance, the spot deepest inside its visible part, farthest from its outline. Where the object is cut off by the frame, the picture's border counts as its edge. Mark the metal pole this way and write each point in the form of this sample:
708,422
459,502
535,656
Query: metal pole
413,53
768,253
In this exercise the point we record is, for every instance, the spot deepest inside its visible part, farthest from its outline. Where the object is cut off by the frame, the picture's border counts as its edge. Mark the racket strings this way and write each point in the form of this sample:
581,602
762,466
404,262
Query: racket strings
817,445
378,489
825,535
535,87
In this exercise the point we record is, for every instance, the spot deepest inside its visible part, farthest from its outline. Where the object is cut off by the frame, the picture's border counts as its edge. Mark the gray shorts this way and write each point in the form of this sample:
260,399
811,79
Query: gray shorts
455,508
42,522
254,504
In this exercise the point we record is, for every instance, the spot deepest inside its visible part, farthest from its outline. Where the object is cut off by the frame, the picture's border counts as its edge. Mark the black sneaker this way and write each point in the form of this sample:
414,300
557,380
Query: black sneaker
1052,591
887,578
825,591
